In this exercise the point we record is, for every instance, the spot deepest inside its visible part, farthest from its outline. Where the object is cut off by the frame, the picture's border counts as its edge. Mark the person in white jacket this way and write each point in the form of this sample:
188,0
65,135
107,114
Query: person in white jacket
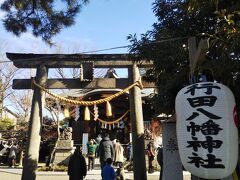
118,158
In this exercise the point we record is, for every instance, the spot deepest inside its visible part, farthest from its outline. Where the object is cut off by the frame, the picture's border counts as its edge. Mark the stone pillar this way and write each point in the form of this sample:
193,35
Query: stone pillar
139,163
172,166
34,132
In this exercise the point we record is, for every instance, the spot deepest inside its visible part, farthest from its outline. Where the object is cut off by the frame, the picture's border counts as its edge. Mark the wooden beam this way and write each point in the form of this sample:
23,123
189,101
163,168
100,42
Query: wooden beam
101,83
192,44
71,64
197,56
75,60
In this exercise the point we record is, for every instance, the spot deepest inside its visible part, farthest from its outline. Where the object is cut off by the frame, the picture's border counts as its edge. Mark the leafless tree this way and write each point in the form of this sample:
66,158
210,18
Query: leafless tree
63,73
21,101
7,72
54,108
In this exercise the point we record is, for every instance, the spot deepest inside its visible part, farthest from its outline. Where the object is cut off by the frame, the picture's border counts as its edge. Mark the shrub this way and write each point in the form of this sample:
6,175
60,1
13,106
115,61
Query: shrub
6,124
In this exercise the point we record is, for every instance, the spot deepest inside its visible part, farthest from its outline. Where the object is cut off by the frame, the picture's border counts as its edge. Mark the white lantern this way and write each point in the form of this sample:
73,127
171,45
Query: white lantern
206,130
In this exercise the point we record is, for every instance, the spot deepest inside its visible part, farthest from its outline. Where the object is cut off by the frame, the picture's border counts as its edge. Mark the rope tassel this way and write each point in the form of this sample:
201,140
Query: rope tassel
108,109
66,113
86,114
102,126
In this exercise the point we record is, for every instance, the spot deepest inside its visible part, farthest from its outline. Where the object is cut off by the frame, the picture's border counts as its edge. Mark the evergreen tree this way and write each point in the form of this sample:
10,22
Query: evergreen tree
45,18
166,44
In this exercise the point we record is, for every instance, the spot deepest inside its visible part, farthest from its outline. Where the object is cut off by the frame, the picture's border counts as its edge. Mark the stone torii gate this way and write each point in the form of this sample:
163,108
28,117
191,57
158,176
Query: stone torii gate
42,62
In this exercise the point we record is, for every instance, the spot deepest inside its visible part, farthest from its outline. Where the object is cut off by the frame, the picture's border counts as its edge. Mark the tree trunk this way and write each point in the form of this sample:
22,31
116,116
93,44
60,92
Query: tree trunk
50,161
1,99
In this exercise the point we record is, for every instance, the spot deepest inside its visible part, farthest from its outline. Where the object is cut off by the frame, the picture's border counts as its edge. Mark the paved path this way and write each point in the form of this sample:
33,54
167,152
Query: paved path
15,174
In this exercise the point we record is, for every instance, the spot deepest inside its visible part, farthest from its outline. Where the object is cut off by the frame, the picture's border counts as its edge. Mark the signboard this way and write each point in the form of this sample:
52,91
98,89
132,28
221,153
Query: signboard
207,130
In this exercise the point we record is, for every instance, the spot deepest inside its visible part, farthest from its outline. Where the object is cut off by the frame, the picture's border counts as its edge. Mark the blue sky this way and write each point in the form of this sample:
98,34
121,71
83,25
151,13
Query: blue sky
101,24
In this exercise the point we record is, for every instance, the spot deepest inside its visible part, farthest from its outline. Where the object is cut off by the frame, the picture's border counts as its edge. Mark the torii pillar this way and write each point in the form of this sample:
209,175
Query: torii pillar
136,114
35,123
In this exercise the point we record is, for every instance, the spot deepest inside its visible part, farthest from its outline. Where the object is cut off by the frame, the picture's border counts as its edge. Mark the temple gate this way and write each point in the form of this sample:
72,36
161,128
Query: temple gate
42,62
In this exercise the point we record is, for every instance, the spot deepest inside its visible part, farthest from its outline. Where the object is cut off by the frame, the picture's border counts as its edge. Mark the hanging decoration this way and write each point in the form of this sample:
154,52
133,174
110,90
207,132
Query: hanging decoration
87,114
66,112
93,103
95,111
89,103
111,123
77,115
58,106
108,109
207,130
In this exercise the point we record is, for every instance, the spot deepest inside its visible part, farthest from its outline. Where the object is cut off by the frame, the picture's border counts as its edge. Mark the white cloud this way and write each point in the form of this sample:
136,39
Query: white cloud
27,43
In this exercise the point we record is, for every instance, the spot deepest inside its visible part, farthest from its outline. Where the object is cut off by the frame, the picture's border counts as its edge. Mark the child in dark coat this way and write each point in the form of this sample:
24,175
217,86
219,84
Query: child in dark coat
108,172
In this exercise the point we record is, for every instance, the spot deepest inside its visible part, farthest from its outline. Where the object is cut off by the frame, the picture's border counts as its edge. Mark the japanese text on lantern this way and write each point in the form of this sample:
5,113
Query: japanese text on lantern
209,129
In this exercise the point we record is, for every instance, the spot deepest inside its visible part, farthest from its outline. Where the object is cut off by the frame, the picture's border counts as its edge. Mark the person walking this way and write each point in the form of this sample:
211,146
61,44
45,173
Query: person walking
120,174
91,154
12,155
77,168
98,140
118,151
105,150
108,172
129,150
151,155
